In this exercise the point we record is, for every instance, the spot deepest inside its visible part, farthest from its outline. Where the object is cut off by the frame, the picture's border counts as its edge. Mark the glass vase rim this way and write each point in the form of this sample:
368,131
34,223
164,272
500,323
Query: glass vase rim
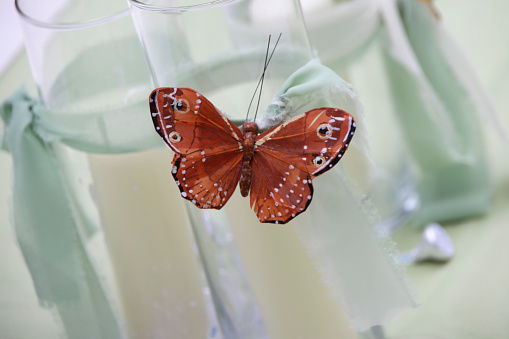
179,9
70,25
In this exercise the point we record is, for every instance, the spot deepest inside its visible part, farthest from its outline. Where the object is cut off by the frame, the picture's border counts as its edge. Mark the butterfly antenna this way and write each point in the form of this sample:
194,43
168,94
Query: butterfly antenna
260,82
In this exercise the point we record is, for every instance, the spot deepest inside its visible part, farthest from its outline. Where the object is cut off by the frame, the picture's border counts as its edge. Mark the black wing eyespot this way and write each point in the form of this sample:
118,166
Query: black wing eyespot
324,131
181,106
175,137
318,160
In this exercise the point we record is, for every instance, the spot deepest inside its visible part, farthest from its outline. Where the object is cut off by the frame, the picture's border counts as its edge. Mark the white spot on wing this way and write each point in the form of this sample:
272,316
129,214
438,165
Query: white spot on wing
172,94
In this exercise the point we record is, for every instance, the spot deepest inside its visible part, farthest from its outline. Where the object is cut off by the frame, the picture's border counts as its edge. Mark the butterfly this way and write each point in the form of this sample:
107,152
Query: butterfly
275,168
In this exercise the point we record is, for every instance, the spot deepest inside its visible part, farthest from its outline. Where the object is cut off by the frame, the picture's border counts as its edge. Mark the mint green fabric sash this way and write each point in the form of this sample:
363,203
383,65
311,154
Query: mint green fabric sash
440,110
338,228
55,253
45,225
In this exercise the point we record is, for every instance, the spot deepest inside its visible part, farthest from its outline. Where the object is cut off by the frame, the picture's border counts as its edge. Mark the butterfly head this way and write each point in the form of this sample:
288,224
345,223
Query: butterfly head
250,126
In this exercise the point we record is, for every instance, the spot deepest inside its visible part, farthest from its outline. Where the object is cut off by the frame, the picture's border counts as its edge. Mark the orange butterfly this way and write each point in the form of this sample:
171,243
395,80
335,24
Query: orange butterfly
275,167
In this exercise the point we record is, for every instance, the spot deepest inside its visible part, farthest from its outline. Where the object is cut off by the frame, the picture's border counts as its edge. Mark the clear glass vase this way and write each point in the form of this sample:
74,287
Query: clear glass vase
218,48
87,61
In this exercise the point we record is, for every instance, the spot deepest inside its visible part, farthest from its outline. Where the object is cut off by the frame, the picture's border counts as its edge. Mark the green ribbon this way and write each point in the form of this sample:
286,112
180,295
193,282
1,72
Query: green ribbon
439,113
311,86
44,221
41,210
304,87
45,225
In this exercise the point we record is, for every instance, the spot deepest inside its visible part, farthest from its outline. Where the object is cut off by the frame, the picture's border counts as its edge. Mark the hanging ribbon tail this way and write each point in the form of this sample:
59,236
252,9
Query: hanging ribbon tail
358,265
49,239
441,113
418,17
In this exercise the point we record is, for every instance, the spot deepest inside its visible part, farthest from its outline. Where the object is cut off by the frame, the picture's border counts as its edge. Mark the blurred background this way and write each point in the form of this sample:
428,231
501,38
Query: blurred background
466,297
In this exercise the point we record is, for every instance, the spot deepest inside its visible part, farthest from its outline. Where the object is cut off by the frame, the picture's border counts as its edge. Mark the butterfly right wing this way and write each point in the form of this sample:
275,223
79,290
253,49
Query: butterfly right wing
279,190
288,156
208,146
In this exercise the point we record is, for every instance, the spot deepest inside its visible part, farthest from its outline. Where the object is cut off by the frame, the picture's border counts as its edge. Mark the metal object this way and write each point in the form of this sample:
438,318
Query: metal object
435,245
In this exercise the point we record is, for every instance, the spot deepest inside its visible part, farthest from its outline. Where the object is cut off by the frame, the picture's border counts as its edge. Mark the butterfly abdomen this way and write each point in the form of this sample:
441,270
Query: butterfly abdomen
250,129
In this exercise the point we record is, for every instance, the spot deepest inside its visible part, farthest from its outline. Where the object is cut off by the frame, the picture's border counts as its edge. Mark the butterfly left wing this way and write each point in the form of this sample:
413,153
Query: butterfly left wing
287,157
189,123
208,146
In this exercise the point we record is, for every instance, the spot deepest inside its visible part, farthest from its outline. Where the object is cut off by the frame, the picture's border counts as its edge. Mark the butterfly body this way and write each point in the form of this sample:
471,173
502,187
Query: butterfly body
250,129
275,168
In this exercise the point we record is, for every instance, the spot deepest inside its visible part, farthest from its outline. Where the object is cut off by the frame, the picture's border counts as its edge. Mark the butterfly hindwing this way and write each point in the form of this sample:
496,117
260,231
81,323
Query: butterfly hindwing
279,190
207,163
293,153
208,182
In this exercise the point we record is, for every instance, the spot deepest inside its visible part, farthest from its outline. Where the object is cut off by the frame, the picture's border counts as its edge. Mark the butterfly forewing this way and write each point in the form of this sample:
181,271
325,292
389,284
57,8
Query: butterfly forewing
288,156
189,123
315,140
208,146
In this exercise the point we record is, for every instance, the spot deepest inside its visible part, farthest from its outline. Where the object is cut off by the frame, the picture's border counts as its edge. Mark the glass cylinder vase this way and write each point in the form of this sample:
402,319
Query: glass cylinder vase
218,49
87,62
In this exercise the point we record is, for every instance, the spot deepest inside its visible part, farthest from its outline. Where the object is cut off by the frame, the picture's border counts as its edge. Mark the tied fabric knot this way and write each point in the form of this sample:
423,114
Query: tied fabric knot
21,103
45,223
311,86
43,219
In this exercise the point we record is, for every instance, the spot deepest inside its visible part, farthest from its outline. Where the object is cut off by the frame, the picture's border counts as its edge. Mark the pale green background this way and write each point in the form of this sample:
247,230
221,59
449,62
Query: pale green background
467,298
